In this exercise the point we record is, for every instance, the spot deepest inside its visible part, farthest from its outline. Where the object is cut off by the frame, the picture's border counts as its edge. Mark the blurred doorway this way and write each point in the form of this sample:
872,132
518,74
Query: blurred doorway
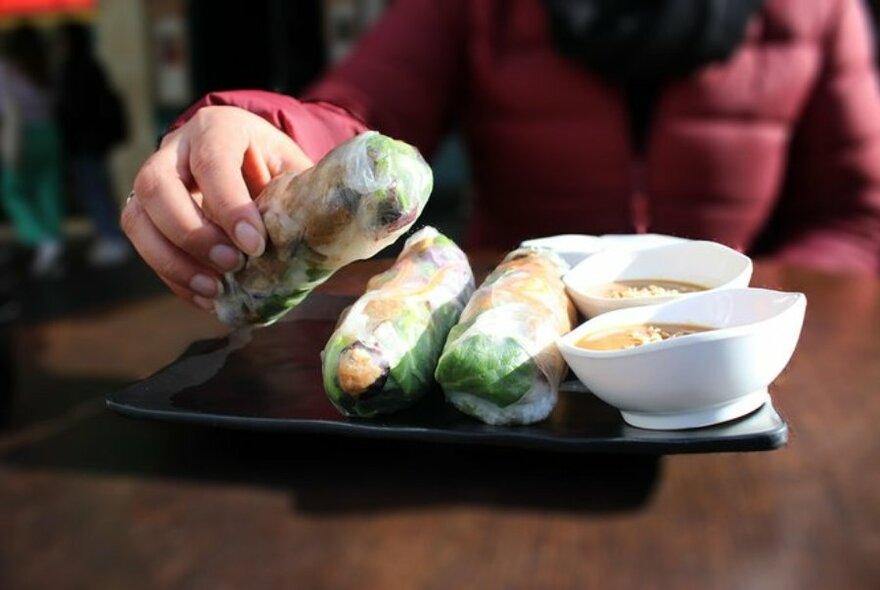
272,44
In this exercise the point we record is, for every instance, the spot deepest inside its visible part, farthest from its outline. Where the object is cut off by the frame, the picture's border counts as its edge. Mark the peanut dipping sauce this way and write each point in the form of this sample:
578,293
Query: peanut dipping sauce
632,288
624,337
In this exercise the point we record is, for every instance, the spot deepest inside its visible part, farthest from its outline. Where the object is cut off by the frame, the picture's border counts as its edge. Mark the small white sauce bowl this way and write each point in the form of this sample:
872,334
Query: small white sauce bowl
638,241
707,264
573,248
698,379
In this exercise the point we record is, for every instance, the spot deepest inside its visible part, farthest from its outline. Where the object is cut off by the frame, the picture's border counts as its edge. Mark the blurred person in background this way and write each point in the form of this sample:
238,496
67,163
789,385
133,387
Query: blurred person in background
31,153
753,123
92,121
10,310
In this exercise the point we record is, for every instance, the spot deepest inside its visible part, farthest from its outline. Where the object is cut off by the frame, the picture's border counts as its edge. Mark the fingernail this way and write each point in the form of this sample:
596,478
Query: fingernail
206,304
205,285
226,257
249,238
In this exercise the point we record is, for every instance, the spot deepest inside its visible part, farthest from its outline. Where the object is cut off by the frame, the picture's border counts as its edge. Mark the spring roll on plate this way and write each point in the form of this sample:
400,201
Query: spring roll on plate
382,356
358,199
500,363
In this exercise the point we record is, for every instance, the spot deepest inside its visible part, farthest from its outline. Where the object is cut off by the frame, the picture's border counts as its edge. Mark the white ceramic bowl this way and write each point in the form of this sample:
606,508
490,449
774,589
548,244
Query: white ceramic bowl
708,264
638,241
699,379
575,248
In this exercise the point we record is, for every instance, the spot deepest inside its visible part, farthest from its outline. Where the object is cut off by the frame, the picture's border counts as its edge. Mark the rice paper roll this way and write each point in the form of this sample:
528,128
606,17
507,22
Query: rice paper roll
358,199
500,363
382,355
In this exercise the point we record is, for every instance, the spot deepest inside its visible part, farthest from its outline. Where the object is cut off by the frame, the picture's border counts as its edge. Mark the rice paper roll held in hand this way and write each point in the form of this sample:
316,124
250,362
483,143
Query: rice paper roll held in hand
382,355
500,363
356,200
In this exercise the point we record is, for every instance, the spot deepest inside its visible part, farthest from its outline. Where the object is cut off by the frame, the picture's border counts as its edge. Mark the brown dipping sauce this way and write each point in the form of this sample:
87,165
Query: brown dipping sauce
622,338
629,289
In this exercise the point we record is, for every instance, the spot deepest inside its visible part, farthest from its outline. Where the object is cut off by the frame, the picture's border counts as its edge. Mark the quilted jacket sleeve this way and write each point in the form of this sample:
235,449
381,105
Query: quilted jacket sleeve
830,215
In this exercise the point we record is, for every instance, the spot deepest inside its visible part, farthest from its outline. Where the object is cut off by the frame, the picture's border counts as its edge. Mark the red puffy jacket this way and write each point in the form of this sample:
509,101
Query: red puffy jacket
777,148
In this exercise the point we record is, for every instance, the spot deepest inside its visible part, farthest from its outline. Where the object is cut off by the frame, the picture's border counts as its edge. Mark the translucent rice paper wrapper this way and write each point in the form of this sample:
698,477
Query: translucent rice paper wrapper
382,356
500,363
358,199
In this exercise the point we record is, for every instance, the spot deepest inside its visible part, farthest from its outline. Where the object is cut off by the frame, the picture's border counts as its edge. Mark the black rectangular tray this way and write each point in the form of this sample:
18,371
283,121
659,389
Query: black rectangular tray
270,379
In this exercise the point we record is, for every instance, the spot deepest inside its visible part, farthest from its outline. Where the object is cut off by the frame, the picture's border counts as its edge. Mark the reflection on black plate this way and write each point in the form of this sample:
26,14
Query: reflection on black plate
270,379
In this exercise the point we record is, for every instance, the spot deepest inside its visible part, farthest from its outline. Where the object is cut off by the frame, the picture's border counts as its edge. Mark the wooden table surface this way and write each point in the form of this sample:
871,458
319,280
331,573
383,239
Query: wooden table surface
92,500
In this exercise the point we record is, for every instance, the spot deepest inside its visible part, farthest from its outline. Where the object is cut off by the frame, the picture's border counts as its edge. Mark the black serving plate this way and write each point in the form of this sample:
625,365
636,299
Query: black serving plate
270,379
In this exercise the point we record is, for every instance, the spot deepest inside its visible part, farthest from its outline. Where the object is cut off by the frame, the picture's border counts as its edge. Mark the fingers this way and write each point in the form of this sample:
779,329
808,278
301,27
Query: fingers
287,157
184,276
196,300
266,159
255,171
232,155
168,204
194,213
227,198
215,160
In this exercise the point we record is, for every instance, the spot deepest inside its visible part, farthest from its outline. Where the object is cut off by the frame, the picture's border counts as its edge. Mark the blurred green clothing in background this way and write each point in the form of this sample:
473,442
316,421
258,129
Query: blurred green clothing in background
31,185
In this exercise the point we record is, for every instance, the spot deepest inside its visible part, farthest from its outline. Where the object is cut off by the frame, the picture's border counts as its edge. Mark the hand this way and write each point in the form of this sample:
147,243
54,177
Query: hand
192,214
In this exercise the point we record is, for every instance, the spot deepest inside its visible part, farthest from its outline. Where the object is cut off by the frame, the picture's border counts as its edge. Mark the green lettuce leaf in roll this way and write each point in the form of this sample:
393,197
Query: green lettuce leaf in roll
358,199
382,355
500,363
